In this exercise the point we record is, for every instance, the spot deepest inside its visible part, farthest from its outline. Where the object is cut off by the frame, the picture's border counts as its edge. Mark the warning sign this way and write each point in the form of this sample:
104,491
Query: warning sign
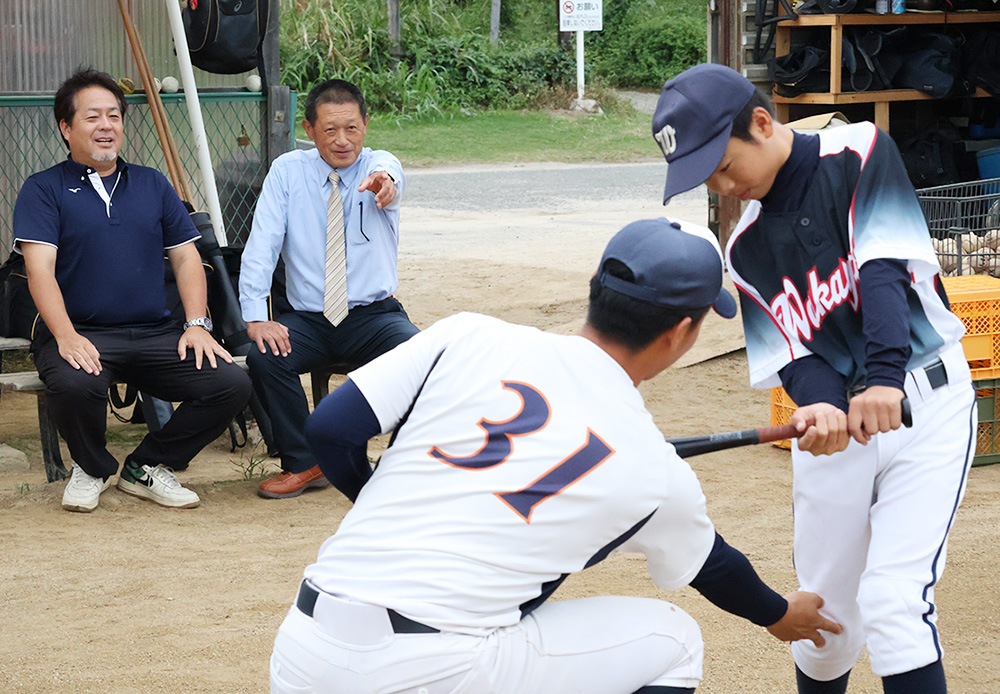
581,15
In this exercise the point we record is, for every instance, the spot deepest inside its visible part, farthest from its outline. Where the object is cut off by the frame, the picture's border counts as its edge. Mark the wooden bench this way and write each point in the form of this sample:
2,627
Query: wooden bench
29,382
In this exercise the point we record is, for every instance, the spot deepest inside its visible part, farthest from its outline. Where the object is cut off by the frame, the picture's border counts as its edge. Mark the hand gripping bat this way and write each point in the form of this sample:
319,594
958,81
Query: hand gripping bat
688,446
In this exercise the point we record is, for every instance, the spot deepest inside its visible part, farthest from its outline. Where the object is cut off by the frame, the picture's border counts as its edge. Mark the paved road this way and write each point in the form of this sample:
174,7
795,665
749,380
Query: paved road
544,187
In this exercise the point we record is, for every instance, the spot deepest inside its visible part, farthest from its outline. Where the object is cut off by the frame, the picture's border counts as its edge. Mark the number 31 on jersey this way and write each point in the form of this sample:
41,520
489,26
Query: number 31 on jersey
532,417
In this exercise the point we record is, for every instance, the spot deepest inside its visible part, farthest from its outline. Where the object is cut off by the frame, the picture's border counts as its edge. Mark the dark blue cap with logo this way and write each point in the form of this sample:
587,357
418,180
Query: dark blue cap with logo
675,264
693,120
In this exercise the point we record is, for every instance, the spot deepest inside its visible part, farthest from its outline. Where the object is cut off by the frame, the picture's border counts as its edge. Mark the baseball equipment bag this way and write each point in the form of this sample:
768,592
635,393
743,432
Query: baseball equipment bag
225,36
17,309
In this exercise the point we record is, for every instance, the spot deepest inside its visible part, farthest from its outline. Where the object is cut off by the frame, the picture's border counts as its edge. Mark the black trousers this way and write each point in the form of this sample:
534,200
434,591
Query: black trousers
367,332
145,357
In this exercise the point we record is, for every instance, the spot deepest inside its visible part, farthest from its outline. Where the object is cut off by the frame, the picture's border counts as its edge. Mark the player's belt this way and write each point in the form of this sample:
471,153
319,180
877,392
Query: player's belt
306,602
936,374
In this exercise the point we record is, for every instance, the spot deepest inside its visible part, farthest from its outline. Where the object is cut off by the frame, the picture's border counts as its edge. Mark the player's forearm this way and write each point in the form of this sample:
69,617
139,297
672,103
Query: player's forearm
729,582
809,380
885,320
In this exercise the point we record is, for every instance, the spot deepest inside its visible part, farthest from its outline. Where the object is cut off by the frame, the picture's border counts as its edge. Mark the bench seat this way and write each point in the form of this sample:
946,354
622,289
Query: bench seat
29,382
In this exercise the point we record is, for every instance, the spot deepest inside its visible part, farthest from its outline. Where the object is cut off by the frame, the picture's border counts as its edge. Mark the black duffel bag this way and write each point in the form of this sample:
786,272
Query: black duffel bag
805,69
225,36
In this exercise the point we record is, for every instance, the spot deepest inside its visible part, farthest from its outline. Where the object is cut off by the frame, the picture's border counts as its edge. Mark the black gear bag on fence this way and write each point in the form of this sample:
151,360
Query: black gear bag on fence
225,36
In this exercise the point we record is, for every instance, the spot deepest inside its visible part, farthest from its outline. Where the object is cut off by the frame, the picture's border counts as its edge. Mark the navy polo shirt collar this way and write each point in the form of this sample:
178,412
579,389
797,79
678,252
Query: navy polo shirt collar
83,171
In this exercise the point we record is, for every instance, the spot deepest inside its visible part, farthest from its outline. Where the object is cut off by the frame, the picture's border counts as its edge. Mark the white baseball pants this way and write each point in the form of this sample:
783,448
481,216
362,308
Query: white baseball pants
602,645
871,529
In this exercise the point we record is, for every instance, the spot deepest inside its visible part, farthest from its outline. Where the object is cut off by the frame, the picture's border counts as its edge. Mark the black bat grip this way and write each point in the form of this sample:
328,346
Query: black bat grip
688,446
907,413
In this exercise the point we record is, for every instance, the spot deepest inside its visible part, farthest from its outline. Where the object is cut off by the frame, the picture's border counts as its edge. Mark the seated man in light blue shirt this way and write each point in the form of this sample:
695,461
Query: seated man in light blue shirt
332,214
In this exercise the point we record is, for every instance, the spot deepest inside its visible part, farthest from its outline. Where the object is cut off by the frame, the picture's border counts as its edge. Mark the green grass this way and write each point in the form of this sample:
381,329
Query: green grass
515,136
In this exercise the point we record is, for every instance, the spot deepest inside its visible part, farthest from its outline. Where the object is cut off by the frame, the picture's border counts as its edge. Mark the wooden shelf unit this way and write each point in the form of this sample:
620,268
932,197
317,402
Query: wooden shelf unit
837,23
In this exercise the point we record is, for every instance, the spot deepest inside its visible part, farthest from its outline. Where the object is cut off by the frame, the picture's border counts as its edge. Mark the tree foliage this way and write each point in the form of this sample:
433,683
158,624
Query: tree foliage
448,65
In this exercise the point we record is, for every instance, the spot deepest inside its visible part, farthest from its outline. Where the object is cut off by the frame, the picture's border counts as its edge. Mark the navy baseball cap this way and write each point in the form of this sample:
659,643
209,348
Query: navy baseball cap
693,121
674,264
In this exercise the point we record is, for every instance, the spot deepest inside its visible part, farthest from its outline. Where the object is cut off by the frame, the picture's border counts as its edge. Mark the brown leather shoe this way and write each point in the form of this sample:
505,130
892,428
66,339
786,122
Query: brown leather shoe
289,484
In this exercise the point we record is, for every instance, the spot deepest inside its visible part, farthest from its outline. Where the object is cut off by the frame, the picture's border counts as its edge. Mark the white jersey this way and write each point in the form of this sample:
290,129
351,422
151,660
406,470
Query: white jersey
539,443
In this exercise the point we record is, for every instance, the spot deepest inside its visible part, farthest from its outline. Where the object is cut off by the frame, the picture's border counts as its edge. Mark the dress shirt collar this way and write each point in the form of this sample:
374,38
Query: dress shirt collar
347,173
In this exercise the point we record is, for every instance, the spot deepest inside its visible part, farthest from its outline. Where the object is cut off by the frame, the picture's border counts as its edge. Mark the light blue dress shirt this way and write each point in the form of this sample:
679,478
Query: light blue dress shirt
290,220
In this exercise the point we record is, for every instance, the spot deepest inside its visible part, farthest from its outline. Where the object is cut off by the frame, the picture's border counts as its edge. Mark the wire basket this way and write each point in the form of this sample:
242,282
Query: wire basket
964,221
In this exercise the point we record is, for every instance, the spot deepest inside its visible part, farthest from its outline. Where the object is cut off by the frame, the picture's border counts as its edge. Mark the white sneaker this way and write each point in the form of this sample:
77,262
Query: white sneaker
83,491
158,484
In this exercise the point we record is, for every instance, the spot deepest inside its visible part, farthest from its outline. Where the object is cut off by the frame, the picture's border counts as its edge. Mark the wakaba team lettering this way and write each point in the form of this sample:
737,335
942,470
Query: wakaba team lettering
798,316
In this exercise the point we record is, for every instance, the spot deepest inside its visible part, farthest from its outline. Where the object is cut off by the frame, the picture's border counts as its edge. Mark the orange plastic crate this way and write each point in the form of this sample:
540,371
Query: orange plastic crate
976,300
782,408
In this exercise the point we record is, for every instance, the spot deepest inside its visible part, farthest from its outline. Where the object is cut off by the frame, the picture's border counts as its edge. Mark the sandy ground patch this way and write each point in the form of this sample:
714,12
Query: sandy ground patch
136,598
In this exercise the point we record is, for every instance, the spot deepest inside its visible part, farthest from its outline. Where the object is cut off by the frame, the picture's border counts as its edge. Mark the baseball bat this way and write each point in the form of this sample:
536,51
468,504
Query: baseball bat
688,446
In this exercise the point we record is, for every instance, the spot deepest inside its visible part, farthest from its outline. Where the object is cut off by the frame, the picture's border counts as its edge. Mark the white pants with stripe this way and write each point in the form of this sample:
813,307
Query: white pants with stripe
871,529
603,645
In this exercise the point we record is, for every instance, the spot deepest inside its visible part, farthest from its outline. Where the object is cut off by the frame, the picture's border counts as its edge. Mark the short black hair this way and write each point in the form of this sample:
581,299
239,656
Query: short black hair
64,107
629,321
334,92
741,124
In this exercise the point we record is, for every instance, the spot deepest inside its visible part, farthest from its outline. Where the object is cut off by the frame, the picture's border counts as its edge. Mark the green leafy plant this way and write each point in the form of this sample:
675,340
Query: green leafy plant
254,462
447,66
645,43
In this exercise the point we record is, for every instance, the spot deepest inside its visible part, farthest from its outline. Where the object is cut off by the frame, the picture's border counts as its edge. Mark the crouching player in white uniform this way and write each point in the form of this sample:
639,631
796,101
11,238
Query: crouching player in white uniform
520,457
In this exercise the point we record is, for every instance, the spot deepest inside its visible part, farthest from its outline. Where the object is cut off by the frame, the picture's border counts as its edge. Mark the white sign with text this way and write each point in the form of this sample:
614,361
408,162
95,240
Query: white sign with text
581,15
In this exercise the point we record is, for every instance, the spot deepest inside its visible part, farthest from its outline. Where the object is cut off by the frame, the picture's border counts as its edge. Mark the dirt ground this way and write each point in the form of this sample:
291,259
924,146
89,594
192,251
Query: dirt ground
137,598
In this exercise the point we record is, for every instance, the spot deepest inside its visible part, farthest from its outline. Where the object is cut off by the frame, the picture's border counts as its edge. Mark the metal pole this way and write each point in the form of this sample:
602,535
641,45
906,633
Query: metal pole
197,122
579,64
395,36
495,21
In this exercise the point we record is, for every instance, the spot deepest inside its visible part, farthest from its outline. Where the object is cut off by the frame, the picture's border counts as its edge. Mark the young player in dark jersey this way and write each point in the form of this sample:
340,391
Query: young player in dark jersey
842,306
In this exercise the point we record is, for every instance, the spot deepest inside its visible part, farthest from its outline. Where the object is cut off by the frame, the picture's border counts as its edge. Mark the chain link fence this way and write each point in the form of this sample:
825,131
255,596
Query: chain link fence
234,123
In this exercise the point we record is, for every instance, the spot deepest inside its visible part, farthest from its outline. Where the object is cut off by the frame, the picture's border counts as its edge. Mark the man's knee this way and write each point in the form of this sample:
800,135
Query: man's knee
394,333
899,622
234,385
835,658
685,667
266,363
75,385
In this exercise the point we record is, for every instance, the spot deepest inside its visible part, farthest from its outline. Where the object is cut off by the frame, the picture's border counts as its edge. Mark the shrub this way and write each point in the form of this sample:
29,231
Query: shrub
645,51
448,65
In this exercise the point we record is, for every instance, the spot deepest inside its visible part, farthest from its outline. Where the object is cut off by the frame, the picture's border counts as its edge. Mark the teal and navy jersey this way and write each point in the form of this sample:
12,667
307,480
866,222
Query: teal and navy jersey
798,270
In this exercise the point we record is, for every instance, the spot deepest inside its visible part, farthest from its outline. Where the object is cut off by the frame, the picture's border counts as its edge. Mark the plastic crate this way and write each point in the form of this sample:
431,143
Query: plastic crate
964,221
976,300
987,436
782,408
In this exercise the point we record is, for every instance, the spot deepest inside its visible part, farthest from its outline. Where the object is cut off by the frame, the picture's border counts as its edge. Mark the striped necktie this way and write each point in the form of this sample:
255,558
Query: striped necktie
335,281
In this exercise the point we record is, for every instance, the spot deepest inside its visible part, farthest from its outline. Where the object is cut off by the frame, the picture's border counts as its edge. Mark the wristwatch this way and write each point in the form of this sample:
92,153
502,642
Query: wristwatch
203,322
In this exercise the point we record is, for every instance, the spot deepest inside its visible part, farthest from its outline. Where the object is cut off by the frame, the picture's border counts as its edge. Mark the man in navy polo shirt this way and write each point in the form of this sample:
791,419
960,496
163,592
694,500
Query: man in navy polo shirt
93,231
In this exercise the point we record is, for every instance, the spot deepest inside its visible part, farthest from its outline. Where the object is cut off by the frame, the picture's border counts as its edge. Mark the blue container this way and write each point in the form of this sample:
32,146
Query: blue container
984,132
989,162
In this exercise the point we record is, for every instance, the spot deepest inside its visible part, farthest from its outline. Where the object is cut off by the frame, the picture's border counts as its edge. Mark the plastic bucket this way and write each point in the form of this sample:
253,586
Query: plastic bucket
989,162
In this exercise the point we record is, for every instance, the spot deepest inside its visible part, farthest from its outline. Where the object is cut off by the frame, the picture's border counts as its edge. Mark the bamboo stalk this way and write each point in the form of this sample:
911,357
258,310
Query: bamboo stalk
160,121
